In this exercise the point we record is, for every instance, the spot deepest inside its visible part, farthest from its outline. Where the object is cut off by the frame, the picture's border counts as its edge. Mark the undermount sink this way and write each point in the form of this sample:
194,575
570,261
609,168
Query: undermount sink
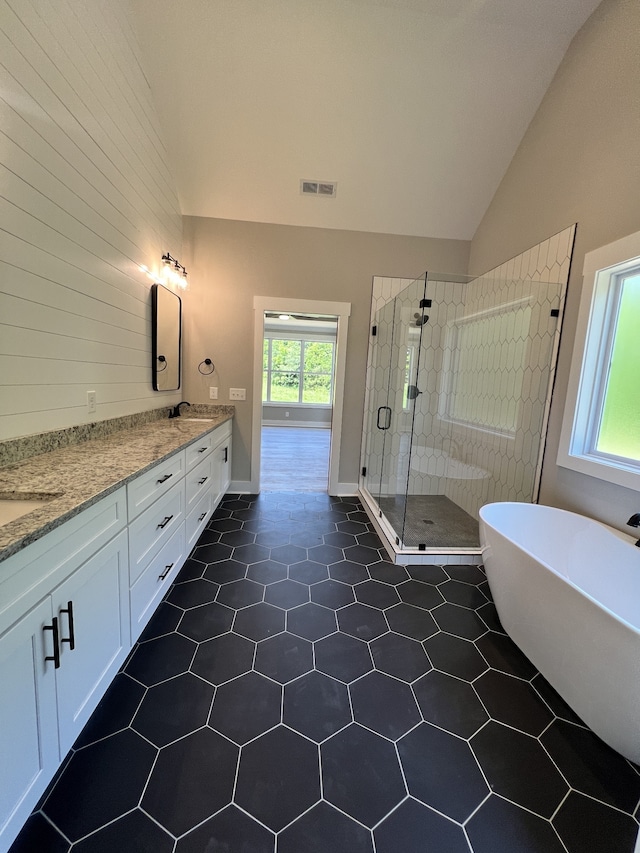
14,505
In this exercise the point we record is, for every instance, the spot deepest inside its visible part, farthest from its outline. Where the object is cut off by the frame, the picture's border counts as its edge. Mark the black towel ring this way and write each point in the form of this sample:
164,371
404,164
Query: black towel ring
209,364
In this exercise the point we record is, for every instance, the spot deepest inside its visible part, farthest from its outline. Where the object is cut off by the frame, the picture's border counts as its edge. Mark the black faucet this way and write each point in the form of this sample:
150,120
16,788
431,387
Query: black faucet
175,412
634,521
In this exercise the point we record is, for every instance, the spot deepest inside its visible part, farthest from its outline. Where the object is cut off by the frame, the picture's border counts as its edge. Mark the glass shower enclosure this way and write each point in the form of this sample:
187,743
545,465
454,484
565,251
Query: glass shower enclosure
458,390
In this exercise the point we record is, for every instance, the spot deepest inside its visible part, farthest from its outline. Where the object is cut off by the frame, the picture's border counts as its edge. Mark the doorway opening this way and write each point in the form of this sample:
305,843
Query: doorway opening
298,373
300,355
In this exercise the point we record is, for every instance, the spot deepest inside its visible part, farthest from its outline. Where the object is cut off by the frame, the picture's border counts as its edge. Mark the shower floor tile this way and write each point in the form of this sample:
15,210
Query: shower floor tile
268,708
431,520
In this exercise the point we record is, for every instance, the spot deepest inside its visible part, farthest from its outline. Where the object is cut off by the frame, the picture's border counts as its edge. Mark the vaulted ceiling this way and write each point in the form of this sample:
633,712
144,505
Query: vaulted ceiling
414,107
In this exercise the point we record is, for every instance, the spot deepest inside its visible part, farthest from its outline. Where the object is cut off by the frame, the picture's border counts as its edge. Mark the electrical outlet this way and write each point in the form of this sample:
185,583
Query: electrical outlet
237,393
213,393
91,402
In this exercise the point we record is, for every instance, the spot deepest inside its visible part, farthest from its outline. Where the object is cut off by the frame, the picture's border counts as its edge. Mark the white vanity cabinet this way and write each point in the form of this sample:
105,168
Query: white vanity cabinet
156,536
199,450
206,481
150,531
73,602
200,484
225,471
154,581
29,752
64,632
222,462
148,487
93,623
169,506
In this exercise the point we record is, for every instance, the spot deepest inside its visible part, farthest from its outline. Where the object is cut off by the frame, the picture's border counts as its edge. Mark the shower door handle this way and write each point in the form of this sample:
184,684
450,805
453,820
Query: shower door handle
387,424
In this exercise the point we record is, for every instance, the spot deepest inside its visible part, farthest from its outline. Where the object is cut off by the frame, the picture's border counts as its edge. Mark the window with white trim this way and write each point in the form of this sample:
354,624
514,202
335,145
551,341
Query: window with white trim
298,370
601,427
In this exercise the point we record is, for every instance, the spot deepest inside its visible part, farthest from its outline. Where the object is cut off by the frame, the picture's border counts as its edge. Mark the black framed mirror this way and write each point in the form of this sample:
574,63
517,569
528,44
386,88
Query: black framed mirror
166,314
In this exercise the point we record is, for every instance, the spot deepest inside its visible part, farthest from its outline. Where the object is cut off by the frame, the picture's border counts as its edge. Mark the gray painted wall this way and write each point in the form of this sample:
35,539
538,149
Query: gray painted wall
295,415
579,161
229,262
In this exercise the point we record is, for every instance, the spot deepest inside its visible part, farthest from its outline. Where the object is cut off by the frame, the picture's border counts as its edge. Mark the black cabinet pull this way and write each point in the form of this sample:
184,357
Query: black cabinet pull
71,639
165,521
164,479
204,515
226,454
55,657
202,481
202,449
167,569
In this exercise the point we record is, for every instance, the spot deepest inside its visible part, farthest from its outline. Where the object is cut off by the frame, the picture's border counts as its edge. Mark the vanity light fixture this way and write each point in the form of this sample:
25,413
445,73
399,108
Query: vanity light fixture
175,271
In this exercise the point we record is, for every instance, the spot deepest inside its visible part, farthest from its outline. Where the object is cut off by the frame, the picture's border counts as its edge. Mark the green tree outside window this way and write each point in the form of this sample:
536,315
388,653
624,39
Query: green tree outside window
297,371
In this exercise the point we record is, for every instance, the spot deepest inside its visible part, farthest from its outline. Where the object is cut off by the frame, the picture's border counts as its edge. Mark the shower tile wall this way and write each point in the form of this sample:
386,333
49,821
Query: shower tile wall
501,449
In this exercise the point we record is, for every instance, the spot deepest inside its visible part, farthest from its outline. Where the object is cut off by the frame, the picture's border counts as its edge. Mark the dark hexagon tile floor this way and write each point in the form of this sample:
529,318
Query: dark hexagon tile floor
298,693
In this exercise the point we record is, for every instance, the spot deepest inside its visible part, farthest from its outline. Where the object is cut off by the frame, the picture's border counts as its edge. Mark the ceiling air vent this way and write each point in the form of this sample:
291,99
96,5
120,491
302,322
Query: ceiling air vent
321,188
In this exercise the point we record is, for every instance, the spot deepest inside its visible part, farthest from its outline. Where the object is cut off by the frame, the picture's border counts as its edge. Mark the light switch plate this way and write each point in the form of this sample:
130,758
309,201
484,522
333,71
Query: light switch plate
213,393
237,393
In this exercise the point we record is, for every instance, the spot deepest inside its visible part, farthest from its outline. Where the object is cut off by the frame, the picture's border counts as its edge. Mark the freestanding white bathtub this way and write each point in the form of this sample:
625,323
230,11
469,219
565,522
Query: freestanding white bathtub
567,590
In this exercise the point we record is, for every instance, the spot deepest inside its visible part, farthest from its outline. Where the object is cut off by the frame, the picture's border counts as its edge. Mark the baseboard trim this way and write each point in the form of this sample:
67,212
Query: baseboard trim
346,490
246,487
240,487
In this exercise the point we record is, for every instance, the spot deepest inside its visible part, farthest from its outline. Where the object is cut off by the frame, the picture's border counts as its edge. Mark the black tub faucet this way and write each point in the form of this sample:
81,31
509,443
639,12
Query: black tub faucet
634,521
175,412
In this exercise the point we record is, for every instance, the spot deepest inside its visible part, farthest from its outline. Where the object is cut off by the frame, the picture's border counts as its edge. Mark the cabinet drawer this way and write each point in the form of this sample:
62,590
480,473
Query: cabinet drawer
154,581
221,433
199,450
197,519
199,480
148,487
149,532
29,575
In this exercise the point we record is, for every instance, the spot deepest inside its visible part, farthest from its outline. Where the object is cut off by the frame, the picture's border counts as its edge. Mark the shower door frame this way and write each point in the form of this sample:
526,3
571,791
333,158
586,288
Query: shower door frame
383,331
392,538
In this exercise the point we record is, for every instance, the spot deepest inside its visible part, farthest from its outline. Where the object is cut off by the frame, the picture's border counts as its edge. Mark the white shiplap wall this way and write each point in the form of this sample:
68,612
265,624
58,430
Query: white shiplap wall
86,198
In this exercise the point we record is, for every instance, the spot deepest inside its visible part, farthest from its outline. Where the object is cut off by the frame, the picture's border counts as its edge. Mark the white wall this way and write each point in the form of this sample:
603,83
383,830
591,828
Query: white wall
86,197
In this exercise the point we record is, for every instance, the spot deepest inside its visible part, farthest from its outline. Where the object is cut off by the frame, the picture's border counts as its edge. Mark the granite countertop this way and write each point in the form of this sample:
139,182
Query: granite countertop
82,474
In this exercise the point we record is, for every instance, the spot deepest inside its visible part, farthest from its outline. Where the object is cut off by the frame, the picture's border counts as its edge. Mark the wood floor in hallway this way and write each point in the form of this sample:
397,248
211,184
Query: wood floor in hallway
294,459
